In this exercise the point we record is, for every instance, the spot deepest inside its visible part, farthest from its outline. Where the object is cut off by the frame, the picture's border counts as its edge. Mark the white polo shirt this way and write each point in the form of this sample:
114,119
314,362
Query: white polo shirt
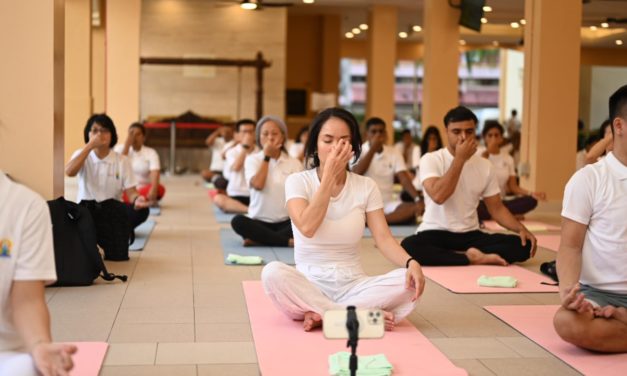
414,159
26,249
459,212
102,179
268,204
383,167
596,196
237,180
142,162
503,169
296,149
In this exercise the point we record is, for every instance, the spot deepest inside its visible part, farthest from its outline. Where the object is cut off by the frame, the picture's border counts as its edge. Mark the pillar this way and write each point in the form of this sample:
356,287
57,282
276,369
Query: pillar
331,39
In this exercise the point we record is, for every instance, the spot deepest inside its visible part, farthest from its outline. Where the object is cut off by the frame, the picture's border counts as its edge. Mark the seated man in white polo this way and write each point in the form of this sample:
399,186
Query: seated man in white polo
592,258
382,163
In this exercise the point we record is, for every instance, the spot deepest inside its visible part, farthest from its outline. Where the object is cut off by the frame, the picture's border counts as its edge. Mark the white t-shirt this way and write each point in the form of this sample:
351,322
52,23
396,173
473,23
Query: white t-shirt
414,160
237,180
218,149
337,240
268,205
503,169
142,162
296,149
382,169
102,179
596,196
26,249
459,212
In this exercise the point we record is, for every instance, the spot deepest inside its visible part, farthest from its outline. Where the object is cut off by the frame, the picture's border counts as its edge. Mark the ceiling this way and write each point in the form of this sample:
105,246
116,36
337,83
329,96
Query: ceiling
355,12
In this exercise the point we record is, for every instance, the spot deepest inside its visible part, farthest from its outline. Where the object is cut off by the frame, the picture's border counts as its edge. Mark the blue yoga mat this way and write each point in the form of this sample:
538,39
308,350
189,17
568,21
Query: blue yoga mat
222,217
155,210
397,231
142,233
232,243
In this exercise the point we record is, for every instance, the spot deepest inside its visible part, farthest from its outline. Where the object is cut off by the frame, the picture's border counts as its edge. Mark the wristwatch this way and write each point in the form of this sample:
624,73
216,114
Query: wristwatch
266,158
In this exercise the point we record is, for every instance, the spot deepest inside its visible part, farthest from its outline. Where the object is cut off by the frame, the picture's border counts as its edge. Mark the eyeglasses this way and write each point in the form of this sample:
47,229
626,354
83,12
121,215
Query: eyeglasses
99,130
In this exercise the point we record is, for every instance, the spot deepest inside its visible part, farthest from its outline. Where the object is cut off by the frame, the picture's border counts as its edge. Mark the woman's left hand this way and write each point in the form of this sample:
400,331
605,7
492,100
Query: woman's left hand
414,279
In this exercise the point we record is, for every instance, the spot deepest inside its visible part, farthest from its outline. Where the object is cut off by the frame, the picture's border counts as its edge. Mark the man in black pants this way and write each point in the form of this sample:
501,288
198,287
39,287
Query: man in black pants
454,180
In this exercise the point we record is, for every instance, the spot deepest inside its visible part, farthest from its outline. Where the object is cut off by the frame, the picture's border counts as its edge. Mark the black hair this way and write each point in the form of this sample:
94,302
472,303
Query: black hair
374,121
459,113
606,123
514,112
244,122
618,105
104,121
591,140
139,126
405,131
491,124
311,148
431,130
302,131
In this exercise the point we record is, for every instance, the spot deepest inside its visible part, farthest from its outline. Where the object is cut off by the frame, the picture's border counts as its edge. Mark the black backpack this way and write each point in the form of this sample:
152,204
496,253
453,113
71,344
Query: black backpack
78,261
113,227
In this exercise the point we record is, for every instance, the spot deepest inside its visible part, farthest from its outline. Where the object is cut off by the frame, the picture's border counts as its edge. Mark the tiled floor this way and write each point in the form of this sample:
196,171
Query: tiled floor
182,312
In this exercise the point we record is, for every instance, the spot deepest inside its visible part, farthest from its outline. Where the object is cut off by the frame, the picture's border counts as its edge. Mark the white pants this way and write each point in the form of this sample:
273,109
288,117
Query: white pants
310,288
17,364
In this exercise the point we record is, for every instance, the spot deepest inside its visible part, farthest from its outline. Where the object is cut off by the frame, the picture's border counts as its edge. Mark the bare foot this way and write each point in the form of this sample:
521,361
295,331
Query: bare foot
476,257
618,313
311,321
249,243
389,320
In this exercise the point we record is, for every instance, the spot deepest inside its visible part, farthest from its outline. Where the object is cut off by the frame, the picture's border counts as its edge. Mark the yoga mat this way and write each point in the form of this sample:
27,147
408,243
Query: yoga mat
142,233
463,279
232,243
283,348
155,210
533,226
397,231
536,323
222,217
88,358
551,242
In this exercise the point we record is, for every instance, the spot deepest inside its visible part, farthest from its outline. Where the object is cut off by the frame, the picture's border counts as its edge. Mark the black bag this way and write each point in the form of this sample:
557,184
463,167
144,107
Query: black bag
78,261
113,227
550,269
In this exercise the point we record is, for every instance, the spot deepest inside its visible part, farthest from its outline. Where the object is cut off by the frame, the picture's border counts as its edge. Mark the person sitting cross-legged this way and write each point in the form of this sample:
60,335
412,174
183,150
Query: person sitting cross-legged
454,180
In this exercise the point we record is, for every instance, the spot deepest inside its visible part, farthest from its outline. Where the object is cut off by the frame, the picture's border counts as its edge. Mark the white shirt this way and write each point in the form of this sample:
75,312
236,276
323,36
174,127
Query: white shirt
596,196
296,150
503,169
219,147
382,169
415,152
237,180
459,212
268,204
102,179
142,162
337,240
26,249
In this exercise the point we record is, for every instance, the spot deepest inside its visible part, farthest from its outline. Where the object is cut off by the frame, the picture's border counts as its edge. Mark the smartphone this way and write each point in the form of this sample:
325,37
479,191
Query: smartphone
371,323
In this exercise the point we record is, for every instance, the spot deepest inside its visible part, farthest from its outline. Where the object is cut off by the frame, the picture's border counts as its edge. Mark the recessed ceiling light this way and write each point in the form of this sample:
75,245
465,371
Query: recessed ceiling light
349,35
605,25
619,42
515,25
593,28
523,21
363,27
487,8
249,4
462,42
402,34
308,1
416,28
356,30
484,20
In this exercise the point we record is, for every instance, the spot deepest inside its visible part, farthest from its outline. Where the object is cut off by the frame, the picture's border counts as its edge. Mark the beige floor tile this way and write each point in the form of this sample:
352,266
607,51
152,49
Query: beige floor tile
546,299
157,297
223,332
152,333
473,367
425,327
222,314
473,348
482,300
206,353
228,370
161,315
212,295
525,347
529,367
50,292
149,371
131,354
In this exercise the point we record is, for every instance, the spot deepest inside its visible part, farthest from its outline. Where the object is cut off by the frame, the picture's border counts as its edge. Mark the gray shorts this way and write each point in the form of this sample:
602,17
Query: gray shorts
602,298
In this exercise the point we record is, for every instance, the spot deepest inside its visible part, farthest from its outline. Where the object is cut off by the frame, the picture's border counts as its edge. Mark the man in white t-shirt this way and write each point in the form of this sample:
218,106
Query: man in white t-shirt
382,163
454,180
26,264
219,141
410,151
592,258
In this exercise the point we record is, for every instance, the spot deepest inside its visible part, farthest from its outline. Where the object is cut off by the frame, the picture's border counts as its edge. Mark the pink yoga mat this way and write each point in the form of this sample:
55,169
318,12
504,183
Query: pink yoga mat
463,279
551,242
533,226
283,348
89,357
536,323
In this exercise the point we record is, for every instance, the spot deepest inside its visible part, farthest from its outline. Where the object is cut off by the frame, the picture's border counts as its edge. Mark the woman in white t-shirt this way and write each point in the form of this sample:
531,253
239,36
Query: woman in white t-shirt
267,222
103,173
144,163
26,264
297,149
524,200
329,207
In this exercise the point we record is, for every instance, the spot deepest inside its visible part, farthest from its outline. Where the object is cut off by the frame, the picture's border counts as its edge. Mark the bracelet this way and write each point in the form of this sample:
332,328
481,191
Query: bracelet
266,158
408,261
